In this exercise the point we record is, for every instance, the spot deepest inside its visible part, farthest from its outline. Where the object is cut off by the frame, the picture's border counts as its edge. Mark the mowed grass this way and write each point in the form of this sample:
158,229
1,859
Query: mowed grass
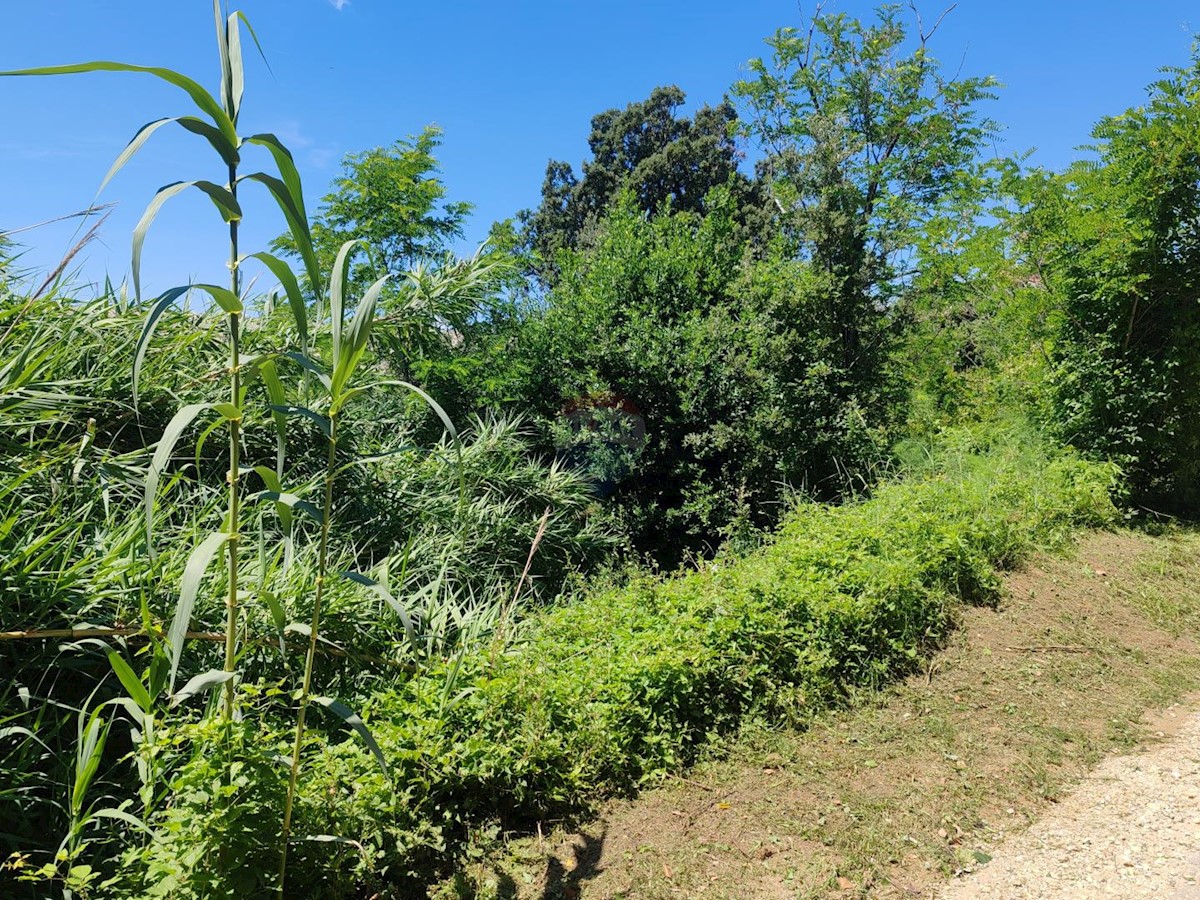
916,784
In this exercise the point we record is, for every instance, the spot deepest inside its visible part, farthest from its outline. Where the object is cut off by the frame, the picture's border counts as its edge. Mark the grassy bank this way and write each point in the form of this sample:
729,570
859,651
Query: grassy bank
600,696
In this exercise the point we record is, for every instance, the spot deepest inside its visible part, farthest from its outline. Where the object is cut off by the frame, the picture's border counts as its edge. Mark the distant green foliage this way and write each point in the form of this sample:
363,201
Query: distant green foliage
627,683
646,150
866,143
1117,241
391,198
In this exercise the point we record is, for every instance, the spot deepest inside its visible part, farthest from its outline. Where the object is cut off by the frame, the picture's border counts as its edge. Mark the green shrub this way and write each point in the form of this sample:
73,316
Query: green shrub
597,697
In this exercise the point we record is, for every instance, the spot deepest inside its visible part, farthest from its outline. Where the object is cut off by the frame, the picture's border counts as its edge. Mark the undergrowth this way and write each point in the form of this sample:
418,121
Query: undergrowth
600,696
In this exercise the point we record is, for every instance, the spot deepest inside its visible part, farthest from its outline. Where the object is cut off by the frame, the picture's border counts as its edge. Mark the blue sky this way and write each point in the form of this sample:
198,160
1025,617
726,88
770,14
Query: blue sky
512,84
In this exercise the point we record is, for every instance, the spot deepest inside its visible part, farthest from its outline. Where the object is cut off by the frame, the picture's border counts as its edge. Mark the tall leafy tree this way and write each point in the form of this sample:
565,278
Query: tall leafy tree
392,198
865,142
1115,241
647,149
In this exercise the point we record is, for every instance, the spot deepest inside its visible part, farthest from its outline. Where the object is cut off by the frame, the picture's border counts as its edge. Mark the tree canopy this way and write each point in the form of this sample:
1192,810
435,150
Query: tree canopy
648,149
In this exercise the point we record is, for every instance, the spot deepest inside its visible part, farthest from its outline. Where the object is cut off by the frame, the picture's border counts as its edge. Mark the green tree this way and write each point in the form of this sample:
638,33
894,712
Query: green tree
648,149
865,143
1116,240
722,356
393,199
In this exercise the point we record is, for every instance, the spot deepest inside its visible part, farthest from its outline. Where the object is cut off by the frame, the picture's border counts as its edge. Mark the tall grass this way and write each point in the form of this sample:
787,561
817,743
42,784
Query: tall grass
101,414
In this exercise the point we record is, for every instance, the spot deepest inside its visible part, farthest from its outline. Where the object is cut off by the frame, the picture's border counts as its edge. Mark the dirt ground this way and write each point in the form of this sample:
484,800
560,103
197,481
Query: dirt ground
917,785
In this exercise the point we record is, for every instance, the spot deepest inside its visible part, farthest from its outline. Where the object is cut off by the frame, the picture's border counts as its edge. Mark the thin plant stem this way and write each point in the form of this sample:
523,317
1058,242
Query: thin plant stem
318,596
235,437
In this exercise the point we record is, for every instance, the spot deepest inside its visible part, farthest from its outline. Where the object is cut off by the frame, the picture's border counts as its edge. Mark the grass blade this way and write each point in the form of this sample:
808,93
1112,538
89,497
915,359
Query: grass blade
225,202
351,718
156,311
199,684
129,680
291,287
213,135
162,454
356,338
202,98
193,574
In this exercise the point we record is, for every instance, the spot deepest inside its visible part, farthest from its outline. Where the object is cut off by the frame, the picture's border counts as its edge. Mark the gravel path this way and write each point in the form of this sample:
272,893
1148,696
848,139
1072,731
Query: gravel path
1130,830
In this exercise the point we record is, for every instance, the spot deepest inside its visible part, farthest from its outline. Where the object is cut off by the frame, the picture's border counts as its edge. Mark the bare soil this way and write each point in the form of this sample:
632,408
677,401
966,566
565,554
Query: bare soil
918,784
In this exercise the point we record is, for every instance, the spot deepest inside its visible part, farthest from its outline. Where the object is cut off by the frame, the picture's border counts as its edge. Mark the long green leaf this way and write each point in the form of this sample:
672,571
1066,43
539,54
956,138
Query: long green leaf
227,151
291,501
223,296
337,298
380,590
321,421
297,221
156,311
290,178
277,396
351,718
223,53
237,76
162,454
202,98
122,816
129,680
225,202
199,684
189,587
291,287
357,336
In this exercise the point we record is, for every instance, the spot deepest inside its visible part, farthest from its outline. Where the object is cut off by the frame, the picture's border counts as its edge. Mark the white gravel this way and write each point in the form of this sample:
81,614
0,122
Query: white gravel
1130,830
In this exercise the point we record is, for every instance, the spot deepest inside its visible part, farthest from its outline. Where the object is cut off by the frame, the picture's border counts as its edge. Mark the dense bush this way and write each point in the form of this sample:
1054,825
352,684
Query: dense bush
728,361
1115,245
600,695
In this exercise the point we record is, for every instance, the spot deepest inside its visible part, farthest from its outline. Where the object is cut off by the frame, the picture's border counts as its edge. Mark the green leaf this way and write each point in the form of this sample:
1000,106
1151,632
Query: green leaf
199,684
292,502
202,98
156,311
291,287
381,591
290,180
351,718
227,151
356,338
121,816
89,750
337,300
222,296
321,421
307,363
189,587
278,614
221,198
162,454
277,396
237,86
228,411
129,680
297,220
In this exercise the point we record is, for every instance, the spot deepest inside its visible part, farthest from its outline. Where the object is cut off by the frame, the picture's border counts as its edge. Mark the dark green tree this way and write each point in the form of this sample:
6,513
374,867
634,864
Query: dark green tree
648,149
716,360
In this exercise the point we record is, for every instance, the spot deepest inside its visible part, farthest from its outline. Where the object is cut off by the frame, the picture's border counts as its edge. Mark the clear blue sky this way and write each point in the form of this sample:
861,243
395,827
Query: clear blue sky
513,84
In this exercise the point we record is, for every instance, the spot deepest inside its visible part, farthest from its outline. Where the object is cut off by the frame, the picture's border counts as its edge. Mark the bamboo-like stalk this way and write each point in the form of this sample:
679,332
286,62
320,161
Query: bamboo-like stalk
318,596
216,637
235,438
